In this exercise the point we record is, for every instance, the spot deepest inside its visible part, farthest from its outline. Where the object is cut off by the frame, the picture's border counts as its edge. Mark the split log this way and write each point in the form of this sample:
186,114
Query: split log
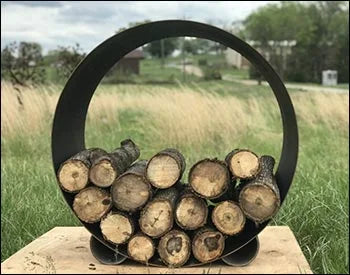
73,174
108,167
131,190
228,218
91,204
209,178
141,248
191,211
260,198
243,163
156,218
117,227
165,168
175,248
208,244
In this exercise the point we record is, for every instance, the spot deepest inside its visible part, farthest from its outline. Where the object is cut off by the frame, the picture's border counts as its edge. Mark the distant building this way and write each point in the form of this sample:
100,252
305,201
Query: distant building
329,78
281,48
130,63
235,59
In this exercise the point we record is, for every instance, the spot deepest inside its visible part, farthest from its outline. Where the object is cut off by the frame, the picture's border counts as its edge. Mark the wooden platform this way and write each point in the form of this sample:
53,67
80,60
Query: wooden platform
66,250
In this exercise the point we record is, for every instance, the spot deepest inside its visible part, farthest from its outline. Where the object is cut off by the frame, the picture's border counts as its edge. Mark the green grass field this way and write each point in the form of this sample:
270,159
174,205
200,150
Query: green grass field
206,119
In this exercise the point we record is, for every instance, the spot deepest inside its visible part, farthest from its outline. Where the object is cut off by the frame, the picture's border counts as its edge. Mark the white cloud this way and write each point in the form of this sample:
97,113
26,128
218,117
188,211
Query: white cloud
90,23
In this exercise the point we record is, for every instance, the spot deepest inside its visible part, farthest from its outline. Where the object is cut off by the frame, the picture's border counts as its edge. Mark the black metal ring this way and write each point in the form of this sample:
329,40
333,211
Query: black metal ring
69,121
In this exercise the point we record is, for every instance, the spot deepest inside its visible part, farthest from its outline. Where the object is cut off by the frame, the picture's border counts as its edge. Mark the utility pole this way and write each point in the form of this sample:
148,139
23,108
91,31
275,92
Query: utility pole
183,60
162,51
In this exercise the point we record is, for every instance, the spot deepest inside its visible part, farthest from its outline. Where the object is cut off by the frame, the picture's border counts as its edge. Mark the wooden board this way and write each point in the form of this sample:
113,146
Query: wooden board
66,250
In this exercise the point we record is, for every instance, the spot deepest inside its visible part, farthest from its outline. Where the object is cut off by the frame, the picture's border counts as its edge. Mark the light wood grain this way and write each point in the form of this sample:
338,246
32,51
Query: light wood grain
66,250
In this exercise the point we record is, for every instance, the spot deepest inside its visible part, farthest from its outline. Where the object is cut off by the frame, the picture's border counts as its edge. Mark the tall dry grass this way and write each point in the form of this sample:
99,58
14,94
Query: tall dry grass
184,114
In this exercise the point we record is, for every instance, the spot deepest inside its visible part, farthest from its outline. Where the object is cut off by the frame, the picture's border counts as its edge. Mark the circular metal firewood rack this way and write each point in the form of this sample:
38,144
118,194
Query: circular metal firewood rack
69,123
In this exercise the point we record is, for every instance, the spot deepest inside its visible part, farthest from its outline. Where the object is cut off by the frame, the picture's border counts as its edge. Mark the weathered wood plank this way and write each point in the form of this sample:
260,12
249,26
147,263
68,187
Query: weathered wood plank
66,250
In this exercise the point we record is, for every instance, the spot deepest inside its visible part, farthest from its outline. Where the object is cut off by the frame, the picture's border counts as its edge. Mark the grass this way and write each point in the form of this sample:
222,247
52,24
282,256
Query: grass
201,121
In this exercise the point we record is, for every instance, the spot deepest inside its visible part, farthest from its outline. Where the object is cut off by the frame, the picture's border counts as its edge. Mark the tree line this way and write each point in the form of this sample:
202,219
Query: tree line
319,29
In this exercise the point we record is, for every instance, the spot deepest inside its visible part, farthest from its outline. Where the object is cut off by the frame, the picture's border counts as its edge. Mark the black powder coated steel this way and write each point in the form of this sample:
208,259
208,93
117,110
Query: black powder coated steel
69,121
245,255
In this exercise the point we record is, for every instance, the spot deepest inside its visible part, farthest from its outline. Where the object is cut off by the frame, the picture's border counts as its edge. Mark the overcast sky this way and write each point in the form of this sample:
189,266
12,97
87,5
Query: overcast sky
53,23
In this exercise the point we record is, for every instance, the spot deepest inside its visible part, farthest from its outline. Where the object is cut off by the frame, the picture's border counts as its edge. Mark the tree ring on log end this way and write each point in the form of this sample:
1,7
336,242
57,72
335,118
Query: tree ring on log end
228,218
116,228
141,248
73,175
259,202
163,171
156,218
175,248
102,174
91,204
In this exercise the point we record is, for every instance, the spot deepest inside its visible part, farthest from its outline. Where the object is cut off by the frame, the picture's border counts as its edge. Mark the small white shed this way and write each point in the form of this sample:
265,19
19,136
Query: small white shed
329,78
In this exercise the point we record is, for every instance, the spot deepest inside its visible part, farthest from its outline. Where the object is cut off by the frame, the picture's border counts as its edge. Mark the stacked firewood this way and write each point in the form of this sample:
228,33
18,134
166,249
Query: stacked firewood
145,205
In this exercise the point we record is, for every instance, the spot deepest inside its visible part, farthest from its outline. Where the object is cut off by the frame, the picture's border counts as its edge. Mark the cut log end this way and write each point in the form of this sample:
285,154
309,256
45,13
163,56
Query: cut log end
163,171
156,218
259,202
191,212
103,174
130,192
141,248
91,204
228,218
208,245
209,179
244,164
116,228
73,175
174,248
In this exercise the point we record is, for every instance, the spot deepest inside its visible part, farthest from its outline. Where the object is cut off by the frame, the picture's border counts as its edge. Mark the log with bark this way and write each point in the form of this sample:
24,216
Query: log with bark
228,218
175,248
131,190
117,227
191,211
91,204
259,198
209,178
108,167
243,163
207,244
141,247
156,218
165,168
73,174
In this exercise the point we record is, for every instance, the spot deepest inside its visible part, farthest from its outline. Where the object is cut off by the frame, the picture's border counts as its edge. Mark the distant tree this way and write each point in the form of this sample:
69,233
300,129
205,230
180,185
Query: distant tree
66,59
154,48
189,46
202,45
22,64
